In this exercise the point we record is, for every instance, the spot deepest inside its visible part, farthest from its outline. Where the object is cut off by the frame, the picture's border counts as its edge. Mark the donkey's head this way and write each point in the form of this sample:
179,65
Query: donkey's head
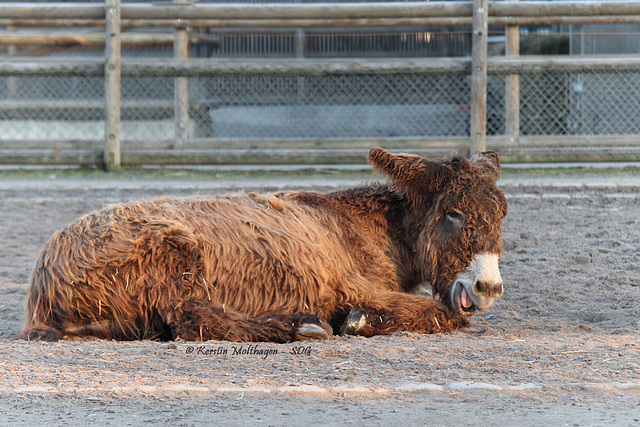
455,224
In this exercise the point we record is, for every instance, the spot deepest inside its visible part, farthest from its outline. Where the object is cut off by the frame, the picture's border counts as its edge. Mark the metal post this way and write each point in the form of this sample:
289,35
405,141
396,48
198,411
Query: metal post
479,77
512,90
181,85
112,86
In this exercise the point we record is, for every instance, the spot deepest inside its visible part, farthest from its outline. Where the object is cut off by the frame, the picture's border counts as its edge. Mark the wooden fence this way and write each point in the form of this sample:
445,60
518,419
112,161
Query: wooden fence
479,14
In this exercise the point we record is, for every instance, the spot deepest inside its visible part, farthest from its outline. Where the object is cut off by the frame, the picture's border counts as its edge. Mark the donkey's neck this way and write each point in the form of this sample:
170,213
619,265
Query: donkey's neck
388,218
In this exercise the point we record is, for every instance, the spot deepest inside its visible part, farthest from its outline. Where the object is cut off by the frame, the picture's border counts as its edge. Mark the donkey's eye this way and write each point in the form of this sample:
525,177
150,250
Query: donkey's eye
455,217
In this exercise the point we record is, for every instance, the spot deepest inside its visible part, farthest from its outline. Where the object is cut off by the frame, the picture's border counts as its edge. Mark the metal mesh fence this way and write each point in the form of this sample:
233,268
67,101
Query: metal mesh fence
603,104
404,105
339,43
557,104
51,108
331,106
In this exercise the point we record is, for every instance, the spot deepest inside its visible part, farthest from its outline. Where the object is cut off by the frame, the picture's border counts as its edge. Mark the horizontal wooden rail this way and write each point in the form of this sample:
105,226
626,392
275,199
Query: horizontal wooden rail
80,105
317,67
88,39
53,10
285,11
50,67
294,67
563,8
224,24
563,64
297,156
453,144
318,14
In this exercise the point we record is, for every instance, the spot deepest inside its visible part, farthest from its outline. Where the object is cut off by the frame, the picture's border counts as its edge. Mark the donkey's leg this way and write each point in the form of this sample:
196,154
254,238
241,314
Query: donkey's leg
390,312
213,322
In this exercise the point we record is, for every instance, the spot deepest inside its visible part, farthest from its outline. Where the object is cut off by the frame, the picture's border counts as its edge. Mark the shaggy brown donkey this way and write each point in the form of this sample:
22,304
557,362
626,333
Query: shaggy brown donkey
284,266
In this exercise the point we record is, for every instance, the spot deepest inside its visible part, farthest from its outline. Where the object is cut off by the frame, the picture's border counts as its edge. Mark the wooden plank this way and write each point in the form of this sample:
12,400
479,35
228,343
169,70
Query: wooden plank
564,20
61,22
302,157
453,144
58,67
51,156
311,67
91,39
478,128
51,10
280,11
294,67
512,83
259,157
247,23
332,23
569,154
567,141
52,145
305,23
181,85
82,105
564,8
564,64
112,86
262,25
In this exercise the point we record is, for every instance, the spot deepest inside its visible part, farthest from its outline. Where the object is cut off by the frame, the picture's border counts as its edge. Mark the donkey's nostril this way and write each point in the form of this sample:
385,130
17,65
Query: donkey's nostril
488,289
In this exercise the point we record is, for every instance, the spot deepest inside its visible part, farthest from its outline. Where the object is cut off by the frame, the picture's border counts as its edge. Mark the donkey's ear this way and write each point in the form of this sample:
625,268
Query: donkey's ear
409,169
489,161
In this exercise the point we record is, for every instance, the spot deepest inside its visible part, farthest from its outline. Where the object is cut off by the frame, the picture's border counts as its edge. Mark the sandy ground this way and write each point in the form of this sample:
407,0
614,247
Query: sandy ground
561,347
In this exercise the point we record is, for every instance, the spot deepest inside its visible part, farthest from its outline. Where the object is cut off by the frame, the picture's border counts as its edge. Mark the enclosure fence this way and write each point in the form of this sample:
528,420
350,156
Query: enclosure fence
307,83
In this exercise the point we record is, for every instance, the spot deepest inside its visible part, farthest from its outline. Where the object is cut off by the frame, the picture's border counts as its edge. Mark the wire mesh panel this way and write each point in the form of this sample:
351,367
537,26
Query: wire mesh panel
557,104
329,106
147,109
336,43
51,108
604,104
544,104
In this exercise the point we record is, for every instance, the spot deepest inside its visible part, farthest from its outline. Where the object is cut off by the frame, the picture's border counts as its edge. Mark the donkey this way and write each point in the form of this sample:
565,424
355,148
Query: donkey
281,267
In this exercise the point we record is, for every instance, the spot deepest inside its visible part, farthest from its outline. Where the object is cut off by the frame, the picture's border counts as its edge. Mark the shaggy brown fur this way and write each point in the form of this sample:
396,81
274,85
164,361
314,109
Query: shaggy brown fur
275,267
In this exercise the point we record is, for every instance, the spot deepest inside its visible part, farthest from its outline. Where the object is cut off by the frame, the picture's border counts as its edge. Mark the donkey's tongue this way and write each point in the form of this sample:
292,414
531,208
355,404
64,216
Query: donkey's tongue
465,301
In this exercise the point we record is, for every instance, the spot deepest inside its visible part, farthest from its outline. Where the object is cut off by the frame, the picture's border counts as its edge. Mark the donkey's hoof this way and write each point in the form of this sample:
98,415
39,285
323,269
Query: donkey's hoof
311,331
40,333
356,320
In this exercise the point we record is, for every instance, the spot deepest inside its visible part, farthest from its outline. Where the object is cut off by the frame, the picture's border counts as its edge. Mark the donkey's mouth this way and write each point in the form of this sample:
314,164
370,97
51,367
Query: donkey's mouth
462,300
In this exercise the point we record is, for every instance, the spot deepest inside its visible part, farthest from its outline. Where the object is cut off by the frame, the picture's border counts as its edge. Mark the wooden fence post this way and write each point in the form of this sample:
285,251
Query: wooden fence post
478,129
301,53
112,86
512,83
181,85
12,81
